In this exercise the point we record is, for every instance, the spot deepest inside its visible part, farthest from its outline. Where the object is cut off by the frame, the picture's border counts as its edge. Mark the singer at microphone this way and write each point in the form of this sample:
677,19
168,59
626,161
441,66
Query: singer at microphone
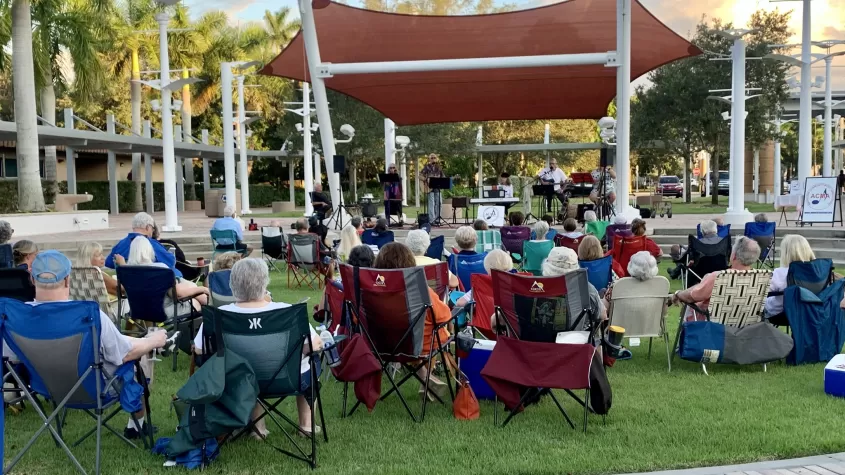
552,175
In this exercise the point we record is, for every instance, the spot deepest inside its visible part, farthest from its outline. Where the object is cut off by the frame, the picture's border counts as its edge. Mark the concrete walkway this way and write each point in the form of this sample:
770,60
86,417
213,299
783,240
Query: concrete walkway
832,464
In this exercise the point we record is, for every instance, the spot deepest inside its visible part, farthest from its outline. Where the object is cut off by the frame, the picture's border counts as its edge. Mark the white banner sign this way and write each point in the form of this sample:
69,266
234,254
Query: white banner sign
819,200
492,215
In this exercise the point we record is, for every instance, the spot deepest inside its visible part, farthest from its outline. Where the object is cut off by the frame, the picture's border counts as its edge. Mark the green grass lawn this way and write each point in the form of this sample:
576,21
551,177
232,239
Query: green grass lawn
659,420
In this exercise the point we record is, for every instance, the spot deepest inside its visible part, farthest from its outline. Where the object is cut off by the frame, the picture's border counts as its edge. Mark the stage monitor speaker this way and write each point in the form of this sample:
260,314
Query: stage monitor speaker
369,209
339,164
608,156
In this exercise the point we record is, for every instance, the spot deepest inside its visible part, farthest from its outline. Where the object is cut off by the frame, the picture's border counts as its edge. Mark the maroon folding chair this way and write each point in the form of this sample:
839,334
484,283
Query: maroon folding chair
437,277
527,362
566,241
390,307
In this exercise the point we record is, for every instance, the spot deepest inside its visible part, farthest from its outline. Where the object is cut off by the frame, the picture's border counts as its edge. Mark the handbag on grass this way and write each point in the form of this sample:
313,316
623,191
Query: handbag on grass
466,406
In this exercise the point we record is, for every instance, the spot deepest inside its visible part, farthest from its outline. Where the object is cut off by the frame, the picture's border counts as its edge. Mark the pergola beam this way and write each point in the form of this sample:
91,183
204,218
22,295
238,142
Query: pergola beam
539,147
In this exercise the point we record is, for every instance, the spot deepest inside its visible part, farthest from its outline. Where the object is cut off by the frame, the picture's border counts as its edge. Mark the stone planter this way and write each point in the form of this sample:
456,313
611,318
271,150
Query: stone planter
282,206
193,205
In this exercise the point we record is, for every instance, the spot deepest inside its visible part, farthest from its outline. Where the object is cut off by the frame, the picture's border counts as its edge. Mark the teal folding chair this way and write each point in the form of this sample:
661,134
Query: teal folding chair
228,238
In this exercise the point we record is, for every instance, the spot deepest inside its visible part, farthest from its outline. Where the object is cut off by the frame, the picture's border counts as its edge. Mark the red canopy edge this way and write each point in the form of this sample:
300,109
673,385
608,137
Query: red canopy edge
351,35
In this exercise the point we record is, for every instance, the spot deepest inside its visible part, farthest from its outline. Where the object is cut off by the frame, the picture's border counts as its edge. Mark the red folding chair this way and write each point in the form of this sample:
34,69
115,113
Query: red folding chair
624,248
565,241
481,308
534,310
437,276
390,307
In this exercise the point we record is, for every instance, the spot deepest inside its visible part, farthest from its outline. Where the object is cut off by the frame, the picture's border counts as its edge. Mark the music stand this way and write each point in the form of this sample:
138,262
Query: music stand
389,179
542,192
435,185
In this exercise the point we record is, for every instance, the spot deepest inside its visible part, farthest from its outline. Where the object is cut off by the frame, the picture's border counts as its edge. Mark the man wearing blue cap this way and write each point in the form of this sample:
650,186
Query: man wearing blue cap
51,276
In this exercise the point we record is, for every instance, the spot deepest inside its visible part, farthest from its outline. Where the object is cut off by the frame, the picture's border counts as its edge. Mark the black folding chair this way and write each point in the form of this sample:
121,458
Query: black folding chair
702,259
7,260
273,246
272,342
16,284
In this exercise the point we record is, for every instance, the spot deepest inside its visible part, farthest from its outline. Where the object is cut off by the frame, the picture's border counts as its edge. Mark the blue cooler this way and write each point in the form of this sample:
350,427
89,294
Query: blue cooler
834,376
472,366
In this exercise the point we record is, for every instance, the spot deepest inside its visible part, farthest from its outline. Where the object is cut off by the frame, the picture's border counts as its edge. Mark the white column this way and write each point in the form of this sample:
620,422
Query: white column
147,132
318,168
244,169
805,118
389,143
312,49
306,148
546,138
206,172
112,170
737,214
69,156
291,186
180,176
403,170
416,180
828,119
479,139
778,176
171,216
623,108
838,152
228,134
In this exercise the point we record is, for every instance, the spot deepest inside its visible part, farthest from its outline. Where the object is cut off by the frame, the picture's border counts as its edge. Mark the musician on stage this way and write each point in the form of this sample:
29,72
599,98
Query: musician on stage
609,185
552,175
432,170
393,196
505,184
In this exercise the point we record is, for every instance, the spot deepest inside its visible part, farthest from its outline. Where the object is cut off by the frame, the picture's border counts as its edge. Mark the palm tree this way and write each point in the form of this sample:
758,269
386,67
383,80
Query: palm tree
280,28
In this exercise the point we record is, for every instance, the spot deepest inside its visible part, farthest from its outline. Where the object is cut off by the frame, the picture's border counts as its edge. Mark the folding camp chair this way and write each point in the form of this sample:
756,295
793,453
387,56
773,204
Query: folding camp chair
436,247
640,308
566,241
305,261
512,239
815,276
372,238
534,310
16,284
273,246
533,255
612,230
764,234
390,307
702,259
221,290
227,235
624,248
596,228
464,265
488,240
272,342
146,289
86,283
437,276
722,230
737,300
481,308
59,345
599,271
7,258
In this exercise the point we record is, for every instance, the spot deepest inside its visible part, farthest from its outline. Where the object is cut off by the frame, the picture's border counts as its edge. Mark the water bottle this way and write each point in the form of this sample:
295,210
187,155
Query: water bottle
329,348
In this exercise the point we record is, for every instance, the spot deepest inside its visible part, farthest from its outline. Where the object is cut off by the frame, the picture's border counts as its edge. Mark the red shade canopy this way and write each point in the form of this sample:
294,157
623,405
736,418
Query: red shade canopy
353,35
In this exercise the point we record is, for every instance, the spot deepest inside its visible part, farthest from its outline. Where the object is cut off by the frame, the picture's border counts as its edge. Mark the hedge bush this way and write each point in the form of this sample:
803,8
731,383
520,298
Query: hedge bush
9,195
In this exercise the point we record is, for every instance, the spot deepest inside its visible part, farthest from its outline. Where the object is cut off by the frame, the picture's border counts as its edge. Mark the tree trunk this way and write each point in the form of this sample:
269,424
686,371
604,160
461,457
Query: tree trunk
48,112
30,194
714,174
135,98
191,192
687,161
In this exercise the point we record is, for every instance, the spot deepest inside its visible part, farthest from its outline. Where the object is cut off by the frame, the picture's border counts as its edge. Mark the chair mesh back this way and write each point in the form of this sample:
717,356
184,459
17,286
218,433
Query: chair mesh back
738,297
16,284
227,235
513,238
814,275
597,228
639,306
7,259
273,246
334,297
534,253
484,306
465,265
625,247
764,234
488,240
435,249
372,238
304,249
599,271
708,258
437,277
86,283
146,288
221,290
536,307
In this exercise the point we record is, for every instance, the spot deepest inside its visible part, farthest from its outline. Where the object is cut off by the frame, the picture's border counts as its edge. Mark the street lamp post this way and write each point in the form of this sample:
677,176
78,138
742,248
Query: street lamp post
228,134
828,104
778,175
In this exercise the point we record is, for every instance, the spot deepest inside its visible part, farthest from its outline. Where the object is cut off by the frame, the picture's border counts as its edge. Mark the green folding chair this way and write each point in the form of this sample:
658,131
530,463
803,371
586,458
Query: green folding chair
534,253
597,228
488,240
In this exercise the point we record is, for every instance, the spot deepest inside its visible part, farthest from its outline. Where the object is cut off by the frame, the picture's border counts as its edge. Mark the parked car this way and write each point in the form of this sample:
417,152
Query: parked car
724,183
670,185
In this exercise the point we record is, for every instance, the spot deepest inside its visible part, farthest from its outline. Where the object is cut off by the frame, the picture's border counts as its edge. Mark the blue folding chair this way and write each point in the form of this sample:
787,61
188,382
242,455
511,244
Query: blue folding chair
464,265
221,290
435,249
372,238
723,230
599,271
764,234
146,288
811,304
228,238
59,345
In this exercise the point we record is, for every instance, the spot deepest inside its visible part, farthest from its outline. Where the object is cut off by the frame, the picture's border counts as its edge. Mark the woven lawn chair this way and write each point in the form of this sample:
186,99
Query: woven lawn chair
765,235
465,265
436,247
273,246
272,342
640,308
599,271
59,345
16,284
533,255
488,240
738,300
86,283
390,308
229,237
305,261
597,229
566,241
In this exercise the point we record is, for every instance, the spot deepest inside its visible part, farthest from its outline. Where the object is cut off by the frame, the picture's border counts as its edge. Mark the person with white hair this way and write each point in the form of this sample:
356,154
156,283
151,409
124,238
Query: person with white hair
349,239
563,260
496,259
249,280
642,266
6,232
466,239
540,230
709,235
418,241
590,216
90,254
141,254
142,225
230,222
794,248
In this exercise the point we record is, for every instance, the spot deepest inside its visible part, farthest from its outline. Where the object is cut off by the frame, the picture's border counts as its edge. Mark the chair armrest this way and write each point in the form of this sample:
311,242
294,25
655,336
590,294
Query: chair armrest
193,295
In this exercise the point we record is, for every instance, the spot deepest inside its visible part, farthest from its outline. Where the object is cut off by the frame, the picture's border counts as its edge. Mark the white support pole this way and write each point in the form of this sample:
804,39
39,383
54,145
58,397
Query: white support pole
206,171
838,152
416,180
112,170
306,148
228,134
777,173
321,101
180,175
291,185
69,156
479,140
546,138
318,168
623,108
171,215
244,168
805,118
403,170
736,213
828,119
147,132
389,142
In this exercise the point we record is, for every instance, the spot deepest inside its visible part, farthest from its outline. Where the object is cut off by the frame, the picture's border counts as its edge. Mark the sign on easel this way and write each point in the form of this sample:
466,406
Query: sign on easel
492,215
820,200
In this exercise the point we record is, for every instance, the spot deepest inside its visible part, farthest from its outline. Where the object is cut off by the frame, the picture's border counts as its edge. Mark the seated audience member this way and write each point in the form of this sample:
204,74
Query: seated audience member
51,276
589,217
188,270
273,230
642,266
516,218
590,249
249,281
90,254
229,222
142,225
381,226
743,256
6,232
761,218
794,248
480,225
709,235
141,254
570,229
317,227
397,256
356,223
321,202
540,231
359,256
496,259
418,242
24,251
466,239
638,229
226,260
551,222
562,261
349,239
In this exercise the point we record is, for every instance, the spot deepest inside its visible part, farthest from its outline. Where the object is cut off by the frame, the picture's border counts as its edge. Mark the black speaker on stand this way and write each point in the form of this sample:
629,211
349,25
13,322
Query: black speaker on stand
339,164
